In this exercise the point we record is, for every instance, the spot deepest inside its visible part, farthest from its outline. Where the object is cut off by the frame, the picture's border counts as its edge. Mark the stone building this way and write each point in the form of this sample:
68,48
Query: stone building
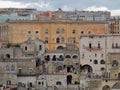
8,72
3,34
92,54
60,68
115,25
53,33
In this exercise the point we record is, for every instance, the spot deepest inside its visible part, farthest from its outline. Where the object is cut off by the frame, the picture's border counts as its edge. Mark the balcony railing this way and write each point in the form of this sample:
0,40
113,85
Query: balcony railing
117,47
26,74
92,48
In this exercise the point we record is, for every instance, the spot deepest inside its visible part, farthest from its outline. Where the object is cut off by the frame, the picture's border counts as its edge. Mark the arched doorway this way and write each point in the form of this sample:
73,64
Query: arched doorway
106,87
86,69
69,79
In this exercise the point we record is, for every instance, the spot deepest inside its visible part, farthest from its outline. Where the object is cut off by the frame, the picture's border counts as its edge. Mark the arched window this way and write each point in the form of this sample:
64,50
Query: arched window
7,68
12,68
95,62
67,56
47,58
54,58
61,58
7,55
57,40
60,48
59,68
75,57
102,62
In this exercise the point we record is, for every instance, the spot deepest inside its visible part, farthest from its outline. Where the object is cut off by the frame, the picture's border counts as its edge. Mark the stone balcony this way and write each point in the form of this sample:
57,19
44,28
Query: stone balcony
92,48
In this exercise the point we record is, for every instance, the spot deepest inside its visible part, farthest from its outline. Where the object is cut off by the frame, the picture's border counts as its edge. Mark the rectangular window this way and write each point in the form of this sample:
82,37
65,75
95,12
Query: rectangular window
39,83
90,45
25,47
20,71
98,45
40,47
42,83
46,31
73,31
30,71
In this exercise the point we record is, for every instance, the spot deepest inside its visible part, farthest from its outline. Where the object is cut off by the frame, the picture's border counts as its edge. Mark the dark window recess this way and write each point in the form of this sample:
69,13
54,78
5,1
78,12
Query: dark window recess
61,58
25,47
90,45
57,40
20,71
37,32
54,58
39,83
95,62
47,58
98,45
58,83
40,47
73,31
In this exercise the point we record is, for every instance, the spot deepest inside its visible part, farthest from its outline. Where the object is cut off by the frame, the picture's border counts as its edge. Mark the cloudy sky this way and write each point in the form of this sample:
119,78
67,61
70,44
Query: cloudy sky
44,5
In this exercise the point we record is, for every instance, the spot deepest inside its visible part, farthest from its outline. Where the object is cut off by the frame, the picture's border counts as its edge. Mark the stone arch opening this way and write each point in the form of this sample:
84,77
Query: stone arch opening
67,56
59,68
87,69
75,57
7,55
60,48
106,87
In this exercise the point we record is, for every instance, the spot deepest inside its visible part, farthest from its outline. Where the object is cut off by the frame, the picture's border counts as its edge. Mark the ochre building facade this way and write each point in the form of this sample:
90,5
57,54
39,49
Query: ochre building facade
56,34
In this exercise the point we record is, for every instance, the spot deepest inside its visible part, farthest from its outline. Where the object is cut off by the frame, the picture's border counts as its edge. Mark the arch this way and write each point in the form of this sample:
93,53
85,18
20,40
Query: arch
54,58
47,58
106,87
59,68
69,79
75,57
95,62
67,56
7,55
87,68
60,47
102,62
61,58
